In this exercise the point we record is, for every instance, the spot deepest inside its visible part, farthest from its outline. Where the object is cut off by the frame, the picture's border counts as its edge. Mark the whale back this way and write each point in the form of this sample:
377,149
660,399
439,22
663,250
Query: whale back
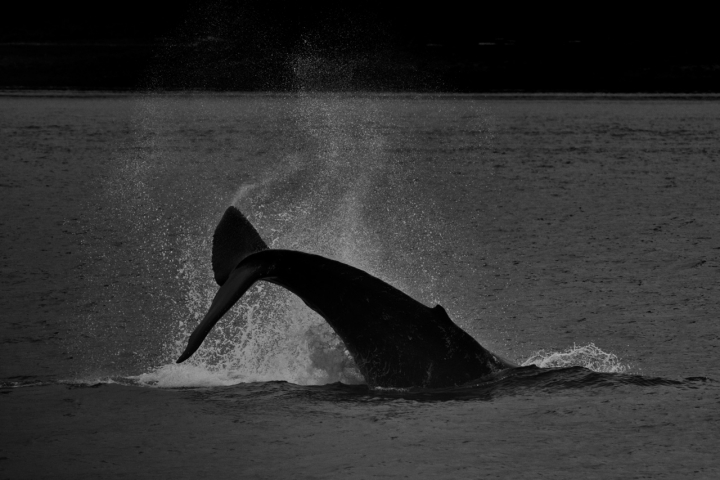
396,341
235,238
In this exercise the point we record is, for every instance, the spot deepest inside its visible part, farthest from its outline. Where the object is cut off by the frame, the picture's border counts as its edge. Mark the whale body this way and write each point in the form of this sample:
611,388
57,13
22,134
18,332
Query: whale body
396,341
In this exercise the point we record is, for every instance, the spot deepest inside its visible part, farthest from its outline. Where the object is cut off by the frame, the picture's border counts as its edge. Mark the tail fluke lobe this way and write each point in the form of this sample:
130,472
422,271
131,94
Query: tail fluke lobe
235,238
238,282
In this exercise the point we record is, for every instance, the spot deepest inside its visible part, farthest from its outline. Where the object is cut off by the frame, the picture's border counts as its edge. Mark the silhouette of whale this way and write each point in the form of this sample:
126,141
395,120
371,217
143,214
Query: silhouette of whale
396,341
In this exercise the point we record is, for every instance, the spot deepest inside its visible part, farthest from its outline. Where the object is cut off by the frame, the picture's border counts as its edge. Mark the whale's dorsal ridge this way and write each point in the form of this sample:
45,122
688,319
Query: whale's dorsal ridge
441,314
235,238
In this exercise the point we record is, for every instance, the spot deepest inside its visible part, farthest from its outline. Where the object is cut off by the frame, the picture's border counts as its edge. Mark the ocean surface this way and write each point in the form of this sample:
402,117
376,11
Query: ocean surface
576,235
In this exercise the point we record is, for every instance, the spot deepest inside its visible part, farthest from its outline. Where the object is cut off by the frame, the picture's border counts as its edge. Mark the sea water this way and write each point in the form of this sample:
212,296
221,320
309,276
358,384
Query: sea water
575,233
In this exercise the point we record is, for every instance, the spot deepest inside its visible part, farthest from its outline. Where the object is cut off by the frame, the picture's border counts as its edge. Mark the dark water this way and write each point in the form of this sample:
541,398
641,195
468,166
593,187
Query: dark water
528,381
577,233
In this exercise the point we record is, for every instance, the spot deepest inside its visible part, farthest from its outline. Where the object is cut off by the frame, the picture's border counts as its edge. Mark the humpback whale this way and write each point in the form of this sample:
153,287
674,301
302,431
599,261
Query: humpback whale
396,341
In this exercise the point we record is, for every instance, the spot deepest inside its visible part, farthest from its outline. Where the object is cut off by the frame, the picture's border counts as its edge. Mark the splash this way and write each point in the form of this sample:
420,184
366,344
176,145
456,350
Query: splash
321,200
588,356
270,335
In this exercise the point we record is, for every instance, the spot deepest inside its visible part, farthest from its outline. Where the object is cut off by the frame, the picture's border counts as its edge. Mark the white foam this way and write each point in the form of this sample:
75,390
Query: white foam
188,375
588,356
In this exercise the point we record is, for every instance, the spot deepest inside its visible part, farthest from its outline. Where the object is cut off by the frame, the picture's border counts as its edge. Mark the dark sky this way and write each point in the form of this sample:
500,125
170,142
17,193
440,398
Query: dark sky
445,22
448,39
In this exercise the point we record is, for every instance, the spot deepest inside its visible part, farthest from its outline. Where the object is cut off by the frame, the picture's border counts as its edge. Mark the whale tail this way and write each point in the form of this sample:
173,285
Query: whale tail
235,238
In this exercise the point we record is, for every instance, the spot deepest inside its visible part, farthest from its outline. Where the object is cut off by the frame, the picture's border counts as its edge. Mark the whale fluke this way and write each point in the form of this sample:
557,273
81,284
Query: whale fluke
235,238
396,341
